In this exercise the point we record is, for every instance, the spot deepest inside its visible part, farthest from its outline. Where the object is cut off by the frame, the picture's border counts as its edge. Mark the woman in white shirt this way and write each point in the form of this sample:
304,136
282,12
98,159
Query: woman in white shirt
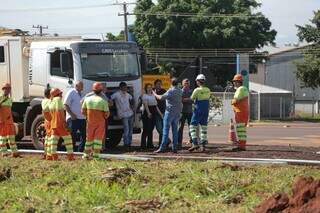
150,110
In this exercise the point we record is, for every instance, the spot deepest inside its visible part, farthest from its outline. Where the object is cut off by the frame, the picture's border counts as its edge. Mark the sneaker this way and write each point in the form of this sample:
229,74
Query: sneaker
203,148
159,151
175,151
193,148
150,147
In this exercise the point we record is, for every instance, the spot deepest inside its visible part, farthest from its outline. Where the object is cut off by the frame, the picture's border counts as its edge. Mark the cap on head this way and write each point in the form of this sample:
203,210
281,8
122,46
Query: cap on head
201,77
238,77
54,92
97,87
6,86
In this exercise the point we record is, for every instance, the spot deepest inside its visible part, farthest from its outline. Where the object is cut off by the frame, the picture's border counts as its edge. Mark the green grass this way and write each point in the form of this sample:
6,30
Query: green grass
170,186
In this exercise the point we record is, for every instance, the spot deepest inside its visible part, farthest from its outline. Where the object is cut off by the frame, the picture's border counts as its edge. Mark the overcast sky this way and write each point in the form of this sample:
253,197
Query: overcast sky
284,14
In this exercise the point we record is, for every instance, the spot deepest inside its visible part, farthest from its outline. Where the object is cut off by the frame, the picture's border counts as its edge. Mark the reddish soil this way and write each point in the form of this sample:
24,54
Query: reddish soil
223,150
305,199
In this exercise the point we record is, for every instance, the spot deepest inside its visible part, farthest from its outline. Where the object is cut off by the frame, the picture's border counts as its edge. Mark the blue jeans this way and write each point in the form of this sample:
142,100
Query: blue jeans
170,120
127,130
75,126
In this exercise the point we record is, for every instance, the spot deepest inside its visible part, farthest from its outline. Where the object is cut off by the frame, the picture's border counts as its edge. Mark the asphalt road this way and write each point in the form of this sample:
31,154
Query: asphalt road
269,134
282,134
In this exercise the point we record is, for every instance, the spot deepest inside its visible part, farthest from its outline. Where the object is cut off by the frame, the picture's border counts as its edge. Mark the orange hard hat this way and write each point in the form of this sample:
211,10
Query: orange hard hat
97,86
237,77
54,92
6,86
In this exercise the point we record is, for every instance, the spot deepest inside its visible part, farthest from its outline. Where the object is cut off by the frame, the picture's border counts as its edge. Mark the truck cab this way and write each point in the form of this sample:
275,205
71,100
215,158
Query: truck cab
62,62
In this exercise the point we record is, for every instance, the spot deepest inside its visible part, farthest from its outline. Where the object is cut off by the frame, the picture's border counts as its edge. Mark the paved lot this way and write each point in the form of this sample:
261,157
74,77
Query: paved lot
282,134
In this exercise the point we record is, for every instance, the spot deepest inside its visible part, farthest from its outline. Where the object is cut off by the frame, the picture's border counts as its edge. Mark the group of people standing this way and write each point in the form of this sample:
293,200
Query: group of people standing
173,107
191,106
88,115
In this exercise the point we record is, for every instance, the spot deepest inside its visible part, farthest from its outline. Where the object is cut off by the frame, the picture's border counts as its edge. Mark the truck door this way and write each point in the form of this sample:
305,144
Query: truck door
4,65
57,78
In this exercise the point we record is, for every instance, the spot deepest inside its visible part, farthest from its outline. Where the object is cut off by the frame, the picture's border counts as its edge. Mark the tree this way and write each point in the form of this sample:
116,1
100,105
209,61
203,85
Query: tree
111,37
309,70
202,30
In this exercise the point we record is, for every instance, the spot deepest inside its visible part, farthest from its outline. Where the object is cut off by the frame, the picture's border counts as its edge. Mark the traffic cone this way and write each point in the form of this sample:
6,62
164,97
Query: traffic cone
233,138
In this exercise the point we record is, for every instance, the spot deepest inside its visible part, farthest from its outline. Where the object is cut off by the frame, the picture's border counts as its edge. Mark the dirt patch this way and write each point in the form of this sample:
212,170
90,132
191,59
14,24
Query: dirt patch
117,174
5,174
229,166
305,198
30,210
144,205
223,150
237,199
55,184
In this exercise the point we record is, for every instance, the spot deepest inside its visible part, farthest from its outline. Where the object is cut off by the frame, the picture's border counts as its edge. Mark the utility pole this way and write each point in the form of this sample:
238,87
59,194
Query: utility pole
125,16
41,28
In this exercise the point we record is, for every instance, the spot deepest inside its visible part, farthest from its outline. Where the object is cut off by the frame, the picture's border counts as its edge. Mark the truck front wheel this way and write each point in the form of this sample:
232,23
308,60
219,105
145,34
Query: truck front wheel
113,139
38,132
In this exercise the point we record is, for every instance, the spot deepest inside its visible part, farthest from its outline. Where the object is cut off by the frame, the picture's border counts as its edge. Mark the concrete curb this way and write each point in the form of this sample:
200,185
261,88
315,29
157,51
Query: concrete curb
195,158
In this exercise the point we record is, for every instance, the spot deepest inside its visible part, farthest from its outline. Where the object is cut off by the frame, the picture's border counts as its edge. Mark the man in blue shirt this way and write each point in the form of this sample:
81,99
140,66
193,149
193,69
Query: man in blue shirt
171,117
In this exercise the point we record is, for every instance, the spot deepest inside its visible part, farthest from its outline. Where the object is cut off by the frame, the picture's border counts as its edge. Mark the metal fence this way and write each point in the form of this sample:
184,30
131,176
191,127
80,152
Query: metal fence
262,107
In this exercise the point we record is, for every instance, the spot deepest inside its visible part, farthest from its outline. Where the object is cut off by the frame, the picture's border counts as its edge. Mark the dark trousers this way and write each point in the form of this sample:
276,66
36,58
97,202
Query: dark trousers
184,117
75,126
147,133
159,126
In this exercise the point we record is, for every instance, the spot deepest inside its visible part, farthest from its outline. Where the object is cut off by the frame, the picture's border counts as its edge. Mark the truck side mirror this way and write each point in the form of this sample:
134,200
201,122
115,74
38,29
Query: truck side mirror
65,64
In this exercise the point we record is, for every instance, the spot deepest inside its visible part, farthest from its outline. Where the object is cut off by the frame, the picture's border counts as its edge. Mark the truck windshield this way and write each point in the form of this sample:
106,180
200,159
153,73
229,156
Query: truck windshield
102,66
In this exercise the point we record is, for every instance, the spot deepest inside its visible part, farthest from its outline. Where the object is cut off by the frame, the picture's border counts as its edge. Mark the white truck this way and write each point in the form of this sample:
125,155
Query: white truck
32,64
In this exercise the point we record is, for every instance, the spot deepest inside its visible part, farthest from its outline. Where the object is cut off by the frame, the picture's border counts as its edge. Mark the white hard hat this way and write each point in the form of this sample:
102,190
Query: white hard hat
201,77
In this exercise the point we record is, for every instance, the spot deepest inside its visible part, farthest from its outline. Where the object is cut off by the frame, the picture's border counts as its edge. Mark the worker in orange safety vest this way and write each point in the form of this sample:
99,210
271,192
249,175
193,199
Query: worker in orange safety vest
47,120
58,126
240,107
7,129
96,111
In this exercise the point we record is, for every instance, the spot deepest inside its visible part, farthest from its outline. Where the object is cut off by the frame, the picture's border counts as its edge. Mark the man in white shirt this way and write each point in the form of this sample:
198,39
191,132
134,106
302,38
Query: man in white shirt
75,120
124,104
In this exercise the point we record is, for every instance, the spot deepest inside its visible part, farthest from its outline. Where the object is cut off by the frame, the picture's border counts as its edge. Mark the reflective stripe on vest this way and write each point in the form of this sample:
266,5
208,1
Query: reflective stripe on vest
95,103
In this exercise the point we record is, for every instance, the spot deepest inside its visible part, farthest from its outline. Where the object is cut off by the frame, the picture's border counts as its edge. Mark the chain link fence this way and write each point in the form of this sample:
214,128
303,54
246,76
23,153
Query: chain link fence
262,107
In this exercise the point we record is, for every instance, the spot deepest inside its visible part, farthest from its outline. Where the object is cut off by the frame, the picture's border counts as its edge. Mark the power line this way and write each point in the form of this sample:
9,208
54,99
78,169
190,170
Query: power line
55,8
212,15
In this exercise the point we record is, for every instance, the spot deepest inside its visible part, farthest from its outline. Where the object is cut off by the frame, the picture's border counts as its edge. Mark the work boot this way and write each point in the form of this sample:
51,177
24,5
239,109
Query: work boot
238,149
55,157
70,157
193,148
16,155
87,156
5,154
